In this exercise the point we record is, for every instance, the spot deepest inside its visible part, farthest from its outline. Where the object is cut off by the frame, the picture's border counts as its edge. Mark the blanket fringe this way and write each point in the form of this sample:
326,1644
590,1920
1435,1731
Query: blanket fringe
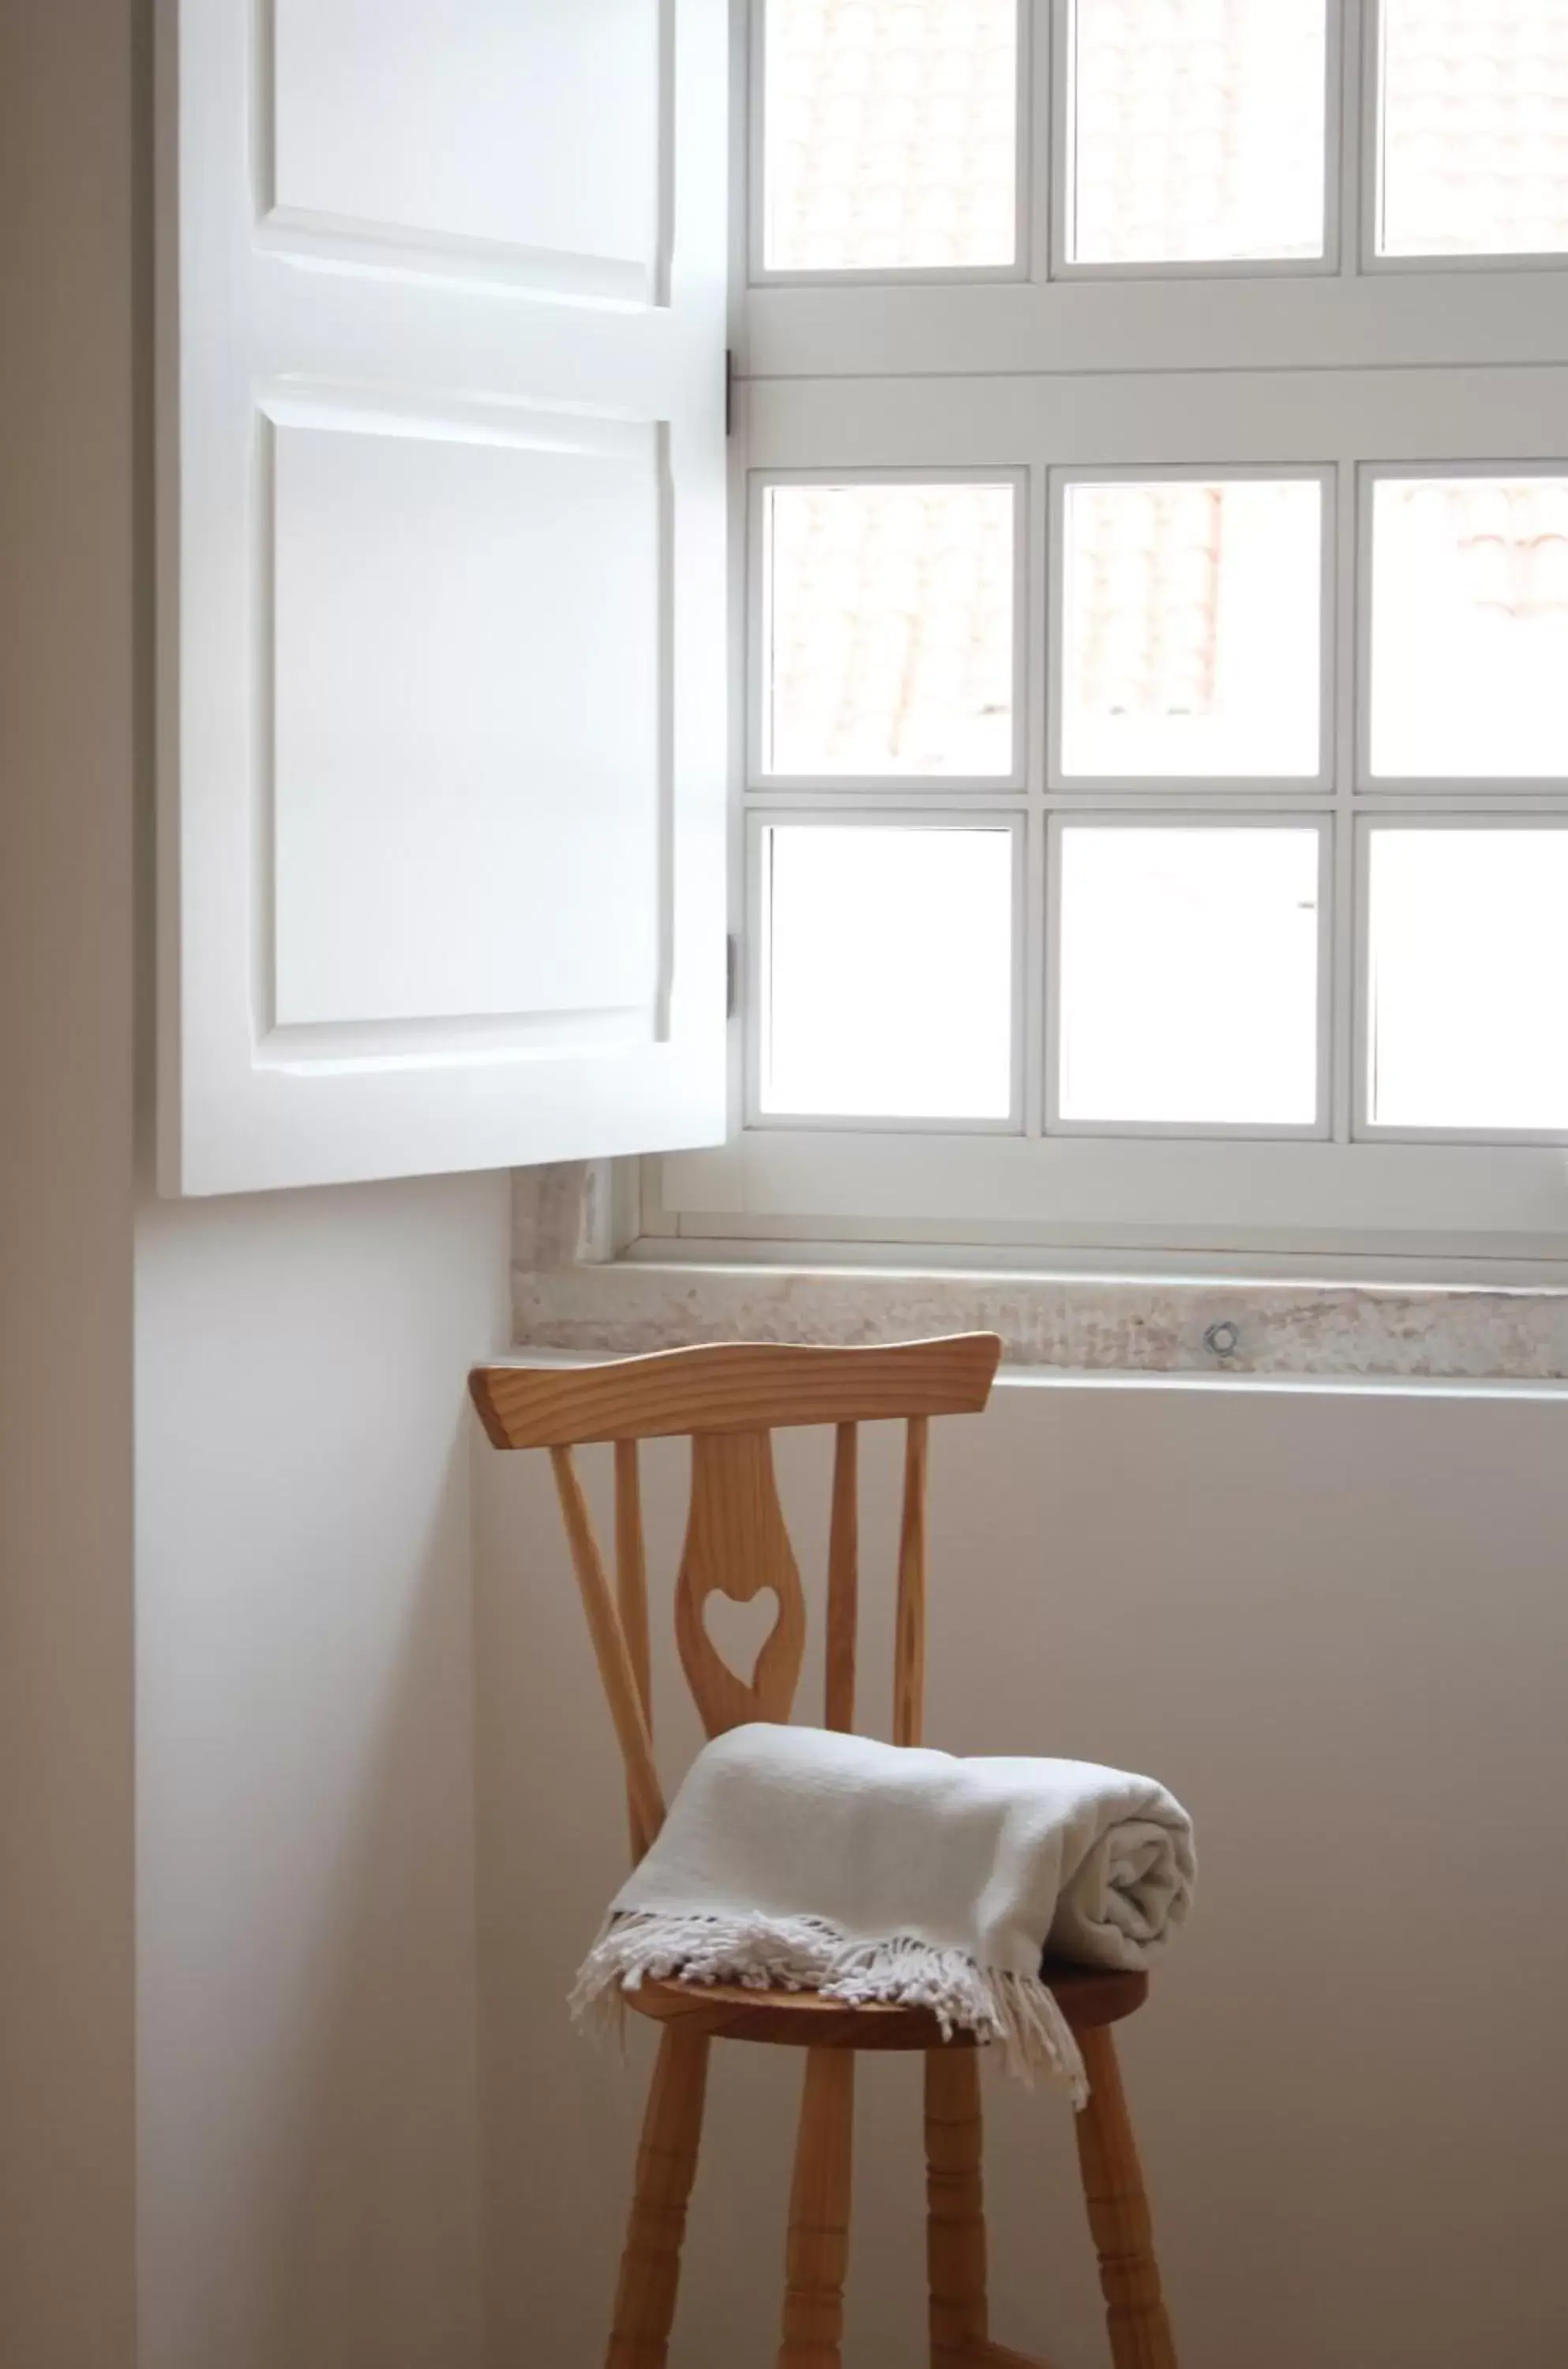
1014,2012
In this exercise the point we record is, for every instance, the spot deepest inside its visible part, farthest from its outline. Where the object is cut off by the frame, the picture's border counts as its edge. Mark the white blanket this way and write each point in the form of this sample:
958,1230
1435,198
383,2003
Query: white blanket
795,1859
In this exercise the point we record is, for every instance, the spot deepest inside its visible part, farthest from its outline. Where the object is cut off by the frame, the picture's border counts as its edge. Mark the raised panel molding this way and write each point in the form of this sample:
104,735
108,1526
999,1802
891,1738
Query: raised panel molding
468,693
527,148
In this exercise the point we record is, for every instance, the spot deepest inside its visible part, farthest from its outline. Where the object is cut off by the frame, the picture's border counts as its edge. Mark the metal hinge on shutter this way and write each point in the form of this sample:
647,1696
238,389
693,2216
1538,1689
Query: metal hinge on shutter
728,392
731,976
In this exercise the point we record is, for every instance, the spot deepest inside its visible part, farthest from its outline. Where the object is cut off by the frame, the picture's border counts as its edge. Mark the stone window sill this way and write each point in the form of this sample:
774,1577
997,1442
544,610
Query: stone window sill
572,1296
1083,1325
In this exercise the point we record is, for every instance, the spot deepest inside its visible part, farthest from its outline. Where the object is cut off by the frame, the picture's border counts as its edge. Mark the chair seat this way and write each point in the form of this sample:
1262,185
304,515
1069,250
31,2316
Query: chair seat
1088,1996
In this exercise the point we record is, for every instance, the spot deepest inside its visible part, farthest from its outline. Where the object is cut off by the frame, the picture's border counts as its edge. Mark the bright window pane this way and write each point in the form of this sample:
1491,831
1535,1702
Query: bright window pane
890,135
1189,975
1193,628
889,630
1475,126
1470,627
1197,129
1467,1024
888,971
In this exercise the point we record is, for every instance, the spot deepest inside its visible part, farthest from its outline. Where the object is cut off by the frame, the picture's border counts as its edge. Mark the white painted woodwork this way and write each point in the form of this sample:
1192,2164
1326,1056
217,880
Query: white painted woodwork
532,128
452,616
442,609
1348,364
854,1181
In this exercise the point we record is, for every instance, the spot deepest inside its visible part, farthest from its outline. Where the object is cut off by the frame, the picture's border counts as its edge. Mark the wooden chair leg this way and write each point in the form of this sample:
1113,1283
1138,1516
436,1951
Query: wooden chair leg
818,2253
666,2163
955,2228
1118,2216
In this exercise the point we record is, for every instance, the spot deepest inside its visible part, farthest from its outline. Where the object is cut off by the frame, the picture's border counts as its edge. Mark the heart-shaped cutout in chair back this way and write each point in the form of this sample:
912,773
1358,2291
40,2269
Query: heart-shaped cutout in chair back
737,1632
739,1551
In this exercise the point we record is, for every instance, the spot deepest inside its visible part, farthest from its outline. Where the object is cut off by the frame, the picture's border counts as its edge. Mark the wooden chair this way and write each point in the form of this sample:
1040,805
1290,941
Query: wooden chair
730,1398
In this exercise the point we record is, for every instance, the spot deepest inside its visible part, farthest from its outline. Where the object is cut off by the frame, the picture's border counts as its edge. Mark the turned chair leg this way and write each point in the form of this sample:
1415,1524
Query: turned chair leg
1118,2216
955,2227
818,2253
666,2163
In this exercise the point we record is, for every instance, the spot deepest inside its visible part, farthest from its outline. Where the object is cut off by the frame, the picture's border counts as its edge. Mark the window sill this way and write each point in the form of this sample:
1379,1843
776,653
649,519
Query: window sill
1088,1326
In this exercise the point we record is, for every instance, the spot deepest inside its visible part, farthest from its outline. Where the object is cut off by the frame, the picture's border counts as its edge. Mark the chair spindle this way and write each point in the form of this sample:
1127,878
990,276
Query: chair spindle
955,2228
667,2164
630,1593
908,1649
1118,2216
816,2255
615,1666
843,1581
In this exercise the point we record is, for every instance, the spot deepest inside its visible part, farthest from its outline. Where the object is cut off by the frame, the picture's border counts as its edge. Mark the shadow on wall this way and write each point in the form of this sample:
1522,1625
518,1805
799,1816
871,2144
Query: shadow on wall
371,2127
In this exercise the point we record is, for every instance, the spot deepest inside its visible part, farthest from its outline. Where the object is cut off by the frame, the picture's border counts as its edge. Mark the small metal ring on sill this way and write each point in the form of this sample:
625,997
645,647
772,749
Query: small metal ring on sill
1222,1340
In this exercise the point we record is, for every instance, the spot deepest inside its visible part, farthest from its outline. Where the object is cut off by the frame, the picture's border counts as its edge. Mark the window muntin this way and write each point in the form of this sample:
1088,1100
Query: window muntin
1247,948
1268,366
886,969
1196,131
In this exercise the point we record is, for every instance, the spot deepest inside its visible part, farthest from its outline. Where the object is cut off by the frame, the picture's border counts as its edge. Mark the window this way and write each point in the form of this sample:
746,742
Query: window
1154,445
889,629
890,136
1195,133
1473,128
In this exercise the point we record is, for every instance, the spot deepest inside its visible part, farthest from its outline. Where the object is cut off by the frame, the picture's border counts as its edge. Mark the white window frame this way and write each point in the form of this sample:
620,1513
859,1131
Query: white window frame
1261,368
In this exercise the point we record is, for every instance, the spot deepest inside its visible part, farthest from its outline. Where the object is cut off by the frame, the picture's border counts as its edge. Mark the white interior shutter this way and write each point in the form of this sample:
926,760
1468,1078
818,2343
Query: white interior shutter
441,592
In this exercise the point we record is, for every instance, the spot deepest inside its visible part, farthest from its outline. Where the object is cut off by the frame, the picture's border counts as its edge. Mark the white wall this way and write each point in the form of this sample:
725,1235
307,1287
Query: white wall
236,1937
1337,1624
308,2164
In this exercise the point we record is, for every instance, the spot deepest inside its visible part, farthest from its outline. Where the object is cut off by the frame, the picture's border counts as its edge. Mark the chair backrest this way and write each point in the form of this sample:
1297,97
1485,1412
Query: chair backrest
730,1398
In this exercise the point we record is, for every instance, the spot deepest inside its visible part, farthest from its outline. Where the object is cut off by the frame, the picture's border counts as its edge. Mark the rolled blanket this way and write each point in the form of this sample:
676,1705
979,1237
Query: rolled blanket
794,1859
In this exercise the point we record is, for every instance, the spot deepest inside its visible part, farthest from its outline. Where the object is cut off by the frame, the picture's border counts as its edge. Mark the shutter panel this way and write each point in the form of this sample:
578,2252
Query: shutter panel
442,499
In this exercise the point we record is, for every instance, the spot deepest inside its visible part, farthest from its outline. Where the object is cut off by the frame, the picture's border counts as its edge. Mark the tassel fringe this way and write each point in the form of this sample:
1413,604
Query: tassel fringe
1014,2012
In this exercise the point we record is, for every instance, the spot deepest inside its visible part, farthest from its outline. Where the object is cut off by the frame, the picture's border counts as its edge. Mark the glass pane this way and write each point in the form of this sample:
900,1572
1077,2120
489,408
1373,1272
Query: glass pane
1194,623
1468,980
890,134
1197,129
889,630
1475,126
1470,627
887,972
1189,975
